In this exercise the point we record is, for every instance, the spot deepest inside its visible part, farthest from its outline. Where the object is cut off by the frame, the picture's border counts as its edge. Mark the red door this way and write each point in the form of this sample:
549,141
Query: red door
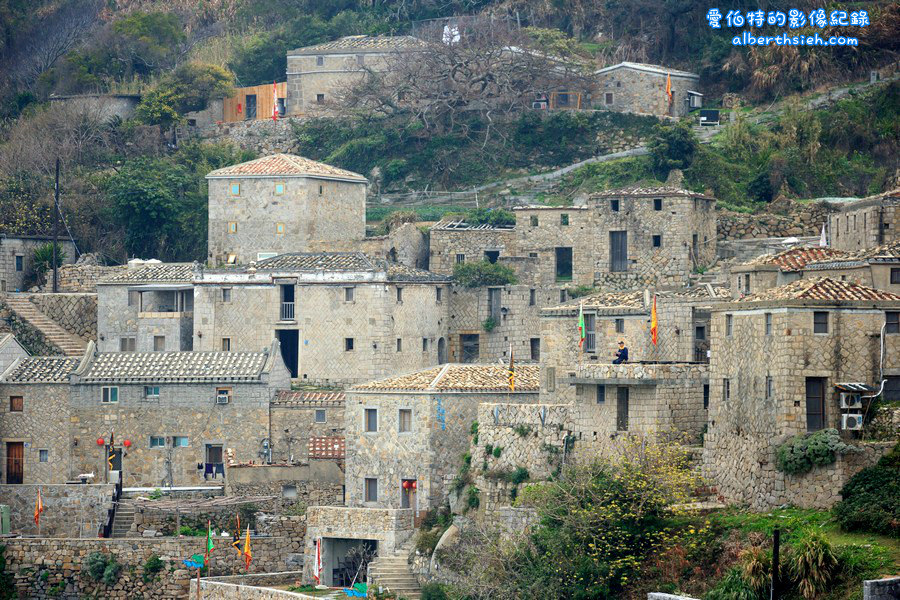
15,462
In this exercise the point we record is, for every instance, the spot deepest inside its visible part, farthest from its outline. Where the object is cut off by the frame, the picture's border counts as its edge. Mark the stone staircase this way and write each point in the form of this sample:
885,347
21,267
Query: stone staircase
122,521
393,573
69,344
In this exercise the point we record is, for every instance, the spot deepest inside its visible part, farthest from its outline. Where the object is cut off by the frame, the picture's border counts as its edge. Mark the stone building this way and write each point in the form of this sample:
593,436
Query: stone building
297,417
318,76
779,359
866,223
641,88
405,434
877,267
341,318
772,270
17,258
34,420
281,203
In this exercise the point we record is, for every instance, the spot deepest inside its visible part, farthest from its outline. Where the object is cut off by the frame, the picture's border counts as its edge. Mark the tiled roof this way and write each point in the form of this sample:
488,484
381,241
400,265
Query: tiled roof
604,300
460,378
154,273
308,399
885,253
796,259
702,290
822,288
362,43
330,446
318,261
650,192
459,224
41,369
398,272
658,69
285,165
174,367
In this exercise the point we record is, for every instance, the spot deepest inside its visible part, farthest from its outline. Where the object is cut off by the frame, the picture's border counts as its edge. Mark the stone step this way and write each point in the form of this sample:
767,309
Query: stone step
69,344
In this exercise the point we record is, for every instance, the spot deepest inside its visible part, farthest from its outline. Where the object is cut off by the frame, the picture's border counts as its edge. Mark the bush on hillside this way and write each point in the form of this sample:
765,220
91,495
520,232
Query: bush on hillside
871,499
479,274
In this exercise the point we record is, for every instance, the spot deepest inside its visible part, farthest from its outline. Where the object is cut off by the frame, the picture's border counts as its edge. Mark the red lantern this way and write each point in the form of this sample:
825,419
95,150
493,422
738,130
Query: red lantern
99,441
406,484
413,485
127,443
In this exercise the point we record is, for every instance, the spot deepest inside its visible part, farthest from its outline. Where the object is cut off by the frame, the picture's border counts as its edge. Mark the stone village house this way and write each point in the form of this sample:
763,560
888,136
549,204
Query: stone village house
866,223
779,360
641,88
17,258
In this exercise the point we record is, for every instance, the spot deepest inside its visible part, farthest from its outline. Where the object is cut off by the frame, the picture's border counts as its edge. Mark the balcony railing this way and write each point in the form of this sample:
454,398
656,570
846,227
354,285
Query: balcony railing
287,311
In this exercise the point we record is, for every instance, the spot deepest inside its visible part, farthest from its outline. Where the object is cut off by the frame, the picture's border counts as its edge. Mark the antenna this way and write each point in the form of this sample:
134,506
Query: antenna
55,228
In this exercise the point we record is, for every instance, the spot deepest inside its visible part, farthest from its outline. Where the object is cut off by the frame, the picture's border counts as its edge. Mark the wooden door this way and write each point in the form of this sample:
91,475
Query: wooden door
15,462
618,251
815,403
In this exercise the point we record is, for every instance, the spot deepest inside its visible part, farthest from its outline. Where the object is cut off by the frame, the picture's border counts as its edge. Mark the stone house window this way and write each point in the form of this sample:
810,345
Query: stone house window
622,409
424,344
768,323
235,189
371,489
16,403
770,387
657,241
438,294
729,325
705,396
371,420
470,346
279,189
892,322
349,294
399,344
564,220
2,285
726,390
320,416
127,344
157,441
360,59
232,227
151,392
614,205
700,333
562,295
601,394
289,491
348,344
620,325
564,262
320,98
747,283
399,295
534,221
657,204
134,297
231,258
320,61
820,322
494,304
226,295
590,333
535,348
404,420
109,394
532,255
460,259
159,343
223,395
895,275
43,455
531,297
226,344
180,441
20,263
608,98
491,256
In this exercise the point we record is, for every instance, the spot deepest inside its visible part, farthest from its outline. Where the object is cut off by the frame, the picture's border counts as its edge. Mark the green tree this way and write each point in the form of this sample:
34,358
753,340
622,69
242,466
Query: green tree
198,83
43,257
149,40
672,147
478,274
159,107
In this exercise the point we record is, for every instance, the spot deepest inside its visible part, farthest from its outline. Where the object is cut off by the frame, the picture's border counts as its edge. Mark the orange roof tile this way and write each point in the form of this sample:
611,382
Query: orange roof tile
285,165
327,446
796,259
460,378
822,288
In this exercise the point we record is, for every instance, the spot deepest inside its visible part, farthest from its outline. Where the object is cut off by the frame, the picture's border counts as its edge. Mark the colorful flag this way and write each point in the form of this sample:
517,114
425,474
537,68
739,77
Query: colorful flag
112,450
38,508
669,86
274,101
581,325
317,570
196,561
512,370
210,543
654,323
248,556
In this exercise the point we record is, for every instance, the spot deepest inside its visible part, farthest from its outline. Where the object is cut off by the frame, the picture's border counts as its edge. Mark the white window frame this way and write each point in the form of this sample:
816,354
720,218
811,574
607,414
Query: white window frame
148,392
108,391
158,445
366,429
177,438
316,416
400,411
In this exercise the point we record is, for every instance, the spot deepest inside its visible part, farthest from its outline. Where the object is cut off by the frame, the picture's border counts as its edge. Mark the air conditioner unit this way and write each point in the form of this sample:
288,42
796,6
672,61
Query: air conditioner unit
539,105
852,422
222,398
850,400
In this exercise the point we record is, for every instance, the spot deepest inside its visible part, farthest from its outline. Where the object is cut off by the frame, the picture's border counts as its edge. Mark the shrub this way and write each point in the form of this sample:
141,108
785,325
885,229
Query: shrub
95,565
520,475
488,449
522,430
732,587
498,450
871,500
480,274
427,540
152,566
756,564
43,257
434,591
489,324
111,572
472,499
803,452
496,217
812,564
7,580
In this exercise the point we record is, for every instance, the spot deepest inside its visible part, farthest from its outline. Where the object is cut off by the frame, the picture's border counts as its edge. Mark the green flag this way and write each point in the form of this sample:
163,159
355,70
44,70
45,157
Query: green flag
580,325
210,546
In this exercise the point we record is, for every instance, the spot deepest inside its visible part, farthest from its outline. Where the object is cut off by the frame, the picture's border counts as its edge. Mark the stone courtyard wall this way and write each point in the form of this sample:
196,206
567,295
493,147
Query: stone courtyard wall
70,511
784,218
31,338
63,562
318,483
262,136
227,588
82,278
76,313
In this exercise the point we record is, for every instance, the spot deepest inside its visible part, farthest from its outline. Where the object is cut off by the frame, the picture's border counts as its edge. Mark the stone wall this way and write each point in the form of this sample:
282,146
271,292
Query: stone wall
63,562
43,427
318,483
262,136
70,511
405,244
151,522
237,589
783,218
76,313
15,279
295,425
882,589
865,224
82,277
31,338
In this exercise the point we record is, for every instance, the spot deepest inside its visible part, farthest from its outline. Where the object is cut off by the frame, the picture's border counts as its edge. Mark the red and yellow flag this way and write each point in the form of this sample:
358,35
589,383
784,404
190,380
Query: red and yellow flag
654,323
669,86
38,508
512,370
274,101
248,556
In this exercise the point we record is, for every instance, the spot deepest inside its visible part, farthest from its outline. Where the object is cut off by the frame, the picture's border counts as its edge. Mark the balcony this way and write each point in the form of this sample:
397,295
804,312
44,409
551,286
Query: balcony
287,311
638,373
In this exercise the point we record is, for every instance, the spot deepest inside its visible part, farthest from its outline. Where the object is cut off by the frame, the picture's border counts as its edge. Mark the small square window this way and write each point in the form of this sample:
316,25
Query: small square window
226,295
289,491
532,255
564,219
371,420
223,395
399,345
620,325
460,259
348,344
320,415
371,489
279,189
16,403
657,204
180,441
109,395
360,59
134,298
157,441
235,189
320,98
349,293
232,227
226,344
608,98
820,322
534,221
127,344
657,241
279,228
892,322
151,391
159,343
320,61
614,205
438,294
404,420
43,455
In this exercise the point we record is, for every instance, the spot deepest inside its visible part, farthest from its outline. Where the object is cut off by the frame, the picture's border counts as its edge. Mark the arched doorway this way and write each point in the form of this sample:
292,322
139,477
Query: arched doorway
442,351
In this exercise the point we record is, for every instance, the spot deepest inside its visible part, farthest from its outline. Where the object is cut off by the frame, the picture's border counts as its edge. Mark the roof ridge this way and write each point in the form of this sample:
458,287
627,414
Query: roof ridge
439,376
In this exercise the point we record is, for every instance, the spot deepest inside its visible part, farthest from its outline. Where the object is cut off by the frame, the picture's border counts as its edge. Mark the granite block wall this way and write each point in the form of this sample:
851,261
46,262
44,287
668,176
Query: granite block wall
70,511
43,426
76,313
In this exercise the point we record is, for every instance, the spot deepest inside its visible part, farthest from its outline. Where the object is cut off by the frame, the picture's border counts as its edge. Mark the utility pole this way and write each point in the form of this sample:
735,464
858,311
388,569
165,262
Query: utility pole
55,227
776,546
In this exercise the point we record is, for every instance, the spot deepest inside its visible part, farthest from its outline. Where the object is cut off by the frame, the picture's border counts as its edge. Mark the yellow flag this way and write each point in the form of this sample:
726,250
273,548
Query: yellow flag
247,554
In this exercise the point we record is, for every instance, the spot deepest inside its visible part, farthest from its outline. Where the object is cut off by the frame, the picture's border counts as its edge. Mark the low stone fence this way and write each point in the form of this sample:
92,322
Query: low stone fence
882,589
319,483
785,218
55,568
76,313
81,278
69,510
288,526
152,522
237,588
659,596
